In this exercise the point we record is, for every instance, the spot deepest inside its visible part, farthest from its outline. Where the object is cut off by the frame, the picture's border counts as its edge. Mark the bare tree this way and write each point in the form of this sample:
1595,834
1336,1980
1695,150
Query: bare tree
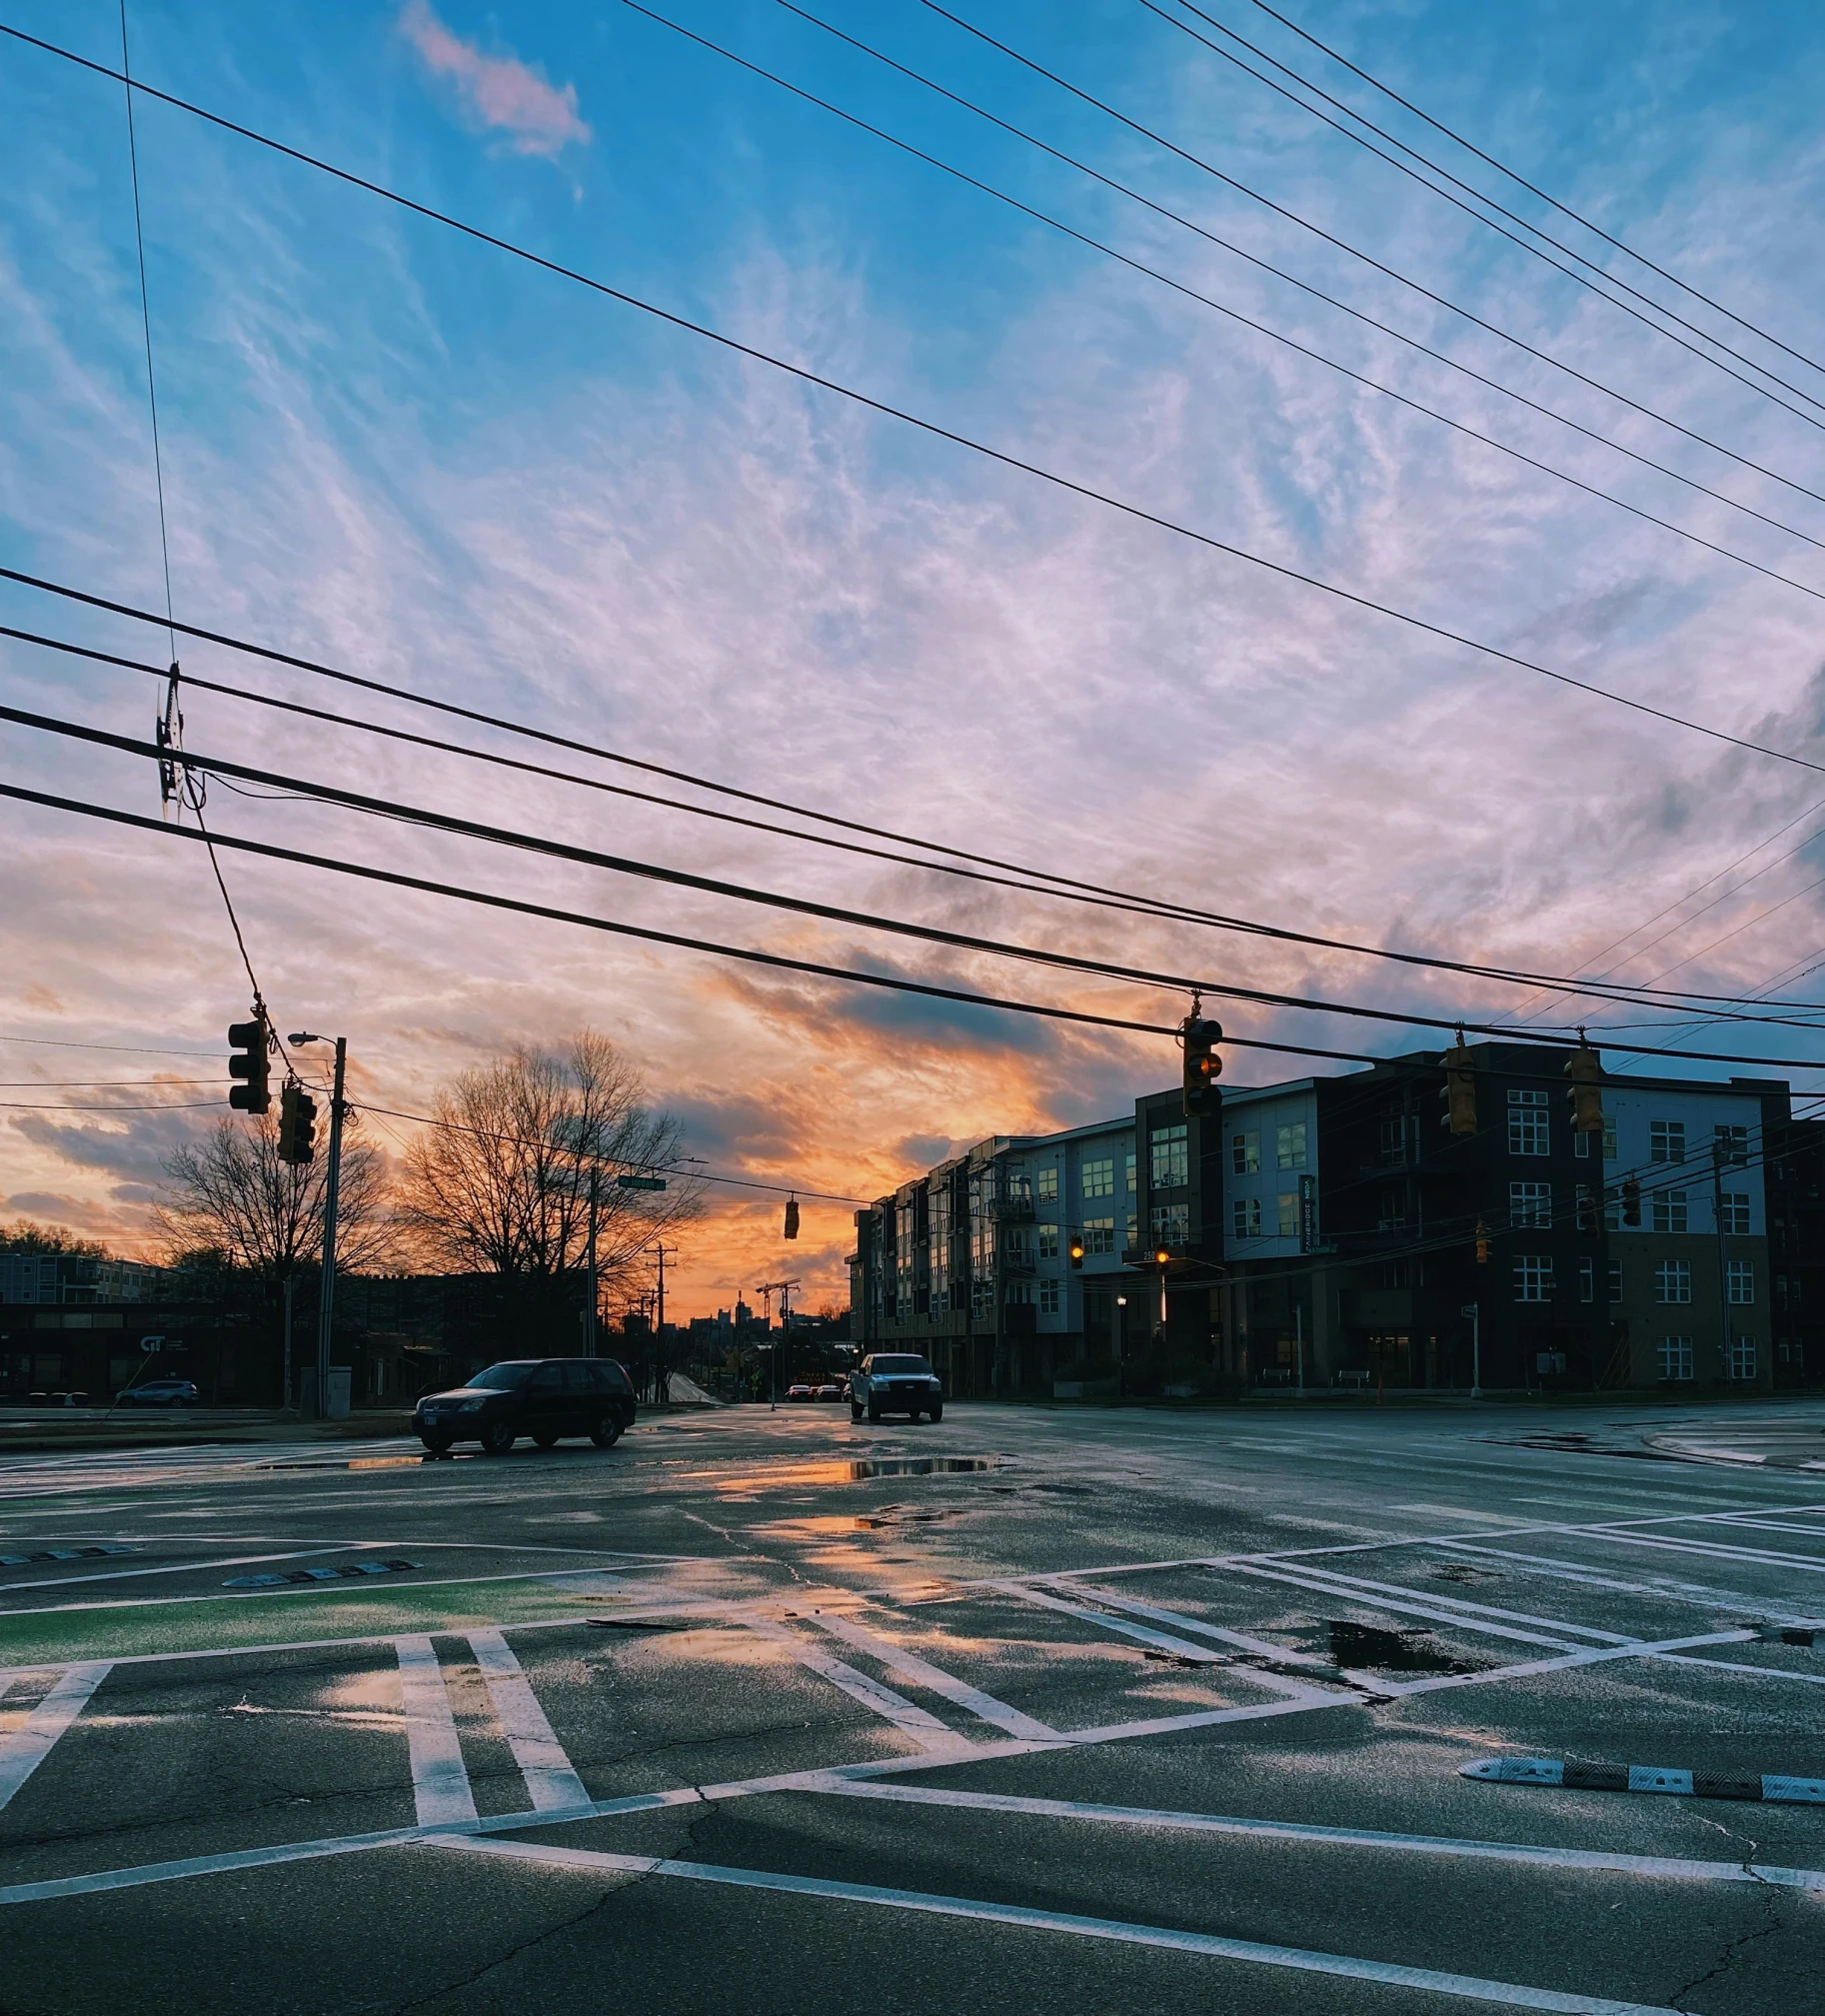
229,1197
501,1185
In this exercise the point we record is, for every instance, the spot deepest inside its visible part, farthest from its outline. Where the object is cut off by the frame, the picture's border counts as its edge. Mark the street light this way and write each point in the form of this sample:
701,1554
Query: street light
1474,1311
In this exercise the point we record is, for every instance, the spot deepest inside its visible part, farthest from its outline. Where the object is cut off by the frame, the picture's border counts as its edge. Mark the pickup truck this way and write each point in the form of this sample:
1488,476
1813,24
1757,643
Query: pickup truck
896,1382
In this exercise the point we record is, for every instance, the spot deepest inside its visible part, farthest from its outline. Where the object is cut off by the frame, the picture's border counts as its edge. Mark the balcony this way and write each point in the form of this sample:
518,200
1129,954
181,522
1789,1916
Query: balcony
1011,1209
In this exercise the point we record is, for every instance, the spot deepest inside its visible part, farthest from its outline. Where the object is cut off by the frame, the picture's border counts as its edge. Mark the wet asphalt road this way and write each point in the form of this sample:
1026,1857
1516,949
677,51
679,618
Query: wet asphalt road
1141,1710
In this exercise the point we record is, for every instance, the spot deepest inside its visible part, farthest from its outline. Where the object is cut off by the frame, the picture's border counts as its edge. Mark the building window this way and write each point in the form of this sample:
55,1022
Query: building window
1670,1211
1395,1139
1289,1148
1581,1143
1742,1358
1049,1243
1100,1178
1168,1158
1666,1141
1530,1204
1615,1280
1046,1186
1393,1215
1739,1284
1587,1279
1019,1295
1527,1124
1286,1208
1673,1282
1736,1213
1246,1217
1245,1154
1049,1298
1170,1224
1612,1207
1100,1234
1129,1162
1675,1358
1533,1278
1733,1148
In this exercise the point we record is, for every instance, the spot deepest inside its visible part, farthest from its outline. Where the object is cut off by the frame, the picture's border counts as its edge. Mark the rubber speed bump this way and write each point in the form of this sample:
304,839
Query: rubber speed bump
1666,1781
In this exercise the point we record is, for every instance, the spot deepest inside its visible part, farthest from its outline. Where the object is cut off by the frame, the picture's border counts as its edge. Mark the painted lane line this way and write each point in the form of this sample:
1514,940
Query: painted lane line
1262,1648
908,1666
1314,1582
1206,1944
1661,1780
1144,1634
26,1748
912,1720
1711,1550
439,1782
1455,1604
1771,1527
1674,1869
1700,1594
552,1783
1736,1666
171,1569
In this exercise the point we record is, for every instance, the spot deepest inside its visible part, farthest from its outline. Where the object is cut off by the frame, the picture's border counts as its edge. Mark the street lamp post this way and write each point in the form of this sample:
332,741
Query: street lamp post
1474,1311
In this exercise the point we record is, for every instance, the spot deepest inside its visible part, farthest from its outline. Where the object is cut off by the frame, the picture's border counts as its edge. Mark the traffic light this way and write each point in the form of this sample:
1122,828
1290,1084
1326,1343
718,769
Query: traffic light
1075,1250
1631,1201
1588,1209
247,1043
1482,1243
1161,1257
792,1218
1586,1069
1459,1094
1203,1066
297,1123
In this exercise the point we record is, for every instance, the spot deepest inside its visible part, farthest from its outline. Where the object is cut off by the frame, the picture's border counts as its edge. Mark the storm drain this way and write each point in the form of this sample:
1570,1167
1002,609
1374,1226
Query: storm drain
353,1572
61,1554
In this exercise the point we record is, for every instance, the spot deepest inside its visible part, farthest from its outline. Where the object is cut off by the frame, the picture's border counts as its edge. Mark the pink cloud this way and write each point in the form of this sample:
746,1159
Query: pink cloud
499,92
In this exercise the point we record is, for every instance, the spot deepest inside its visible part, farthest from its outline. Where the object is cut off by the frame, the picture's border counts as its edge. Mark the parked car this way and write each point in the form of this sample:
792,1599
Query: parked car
546,1398
159,1394
829,1391
896,1382
800,1391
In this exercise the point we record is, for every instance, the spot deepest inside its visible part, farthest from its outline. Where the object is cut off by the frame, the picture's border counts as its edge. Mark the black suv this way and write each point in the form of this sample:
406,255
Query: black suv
546,1398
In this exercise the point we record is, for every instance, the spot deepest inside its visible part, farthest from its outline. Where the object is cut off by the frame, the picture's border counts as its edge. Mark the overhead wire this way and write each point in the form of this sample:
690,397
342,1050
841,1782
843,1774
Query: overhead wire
1004,459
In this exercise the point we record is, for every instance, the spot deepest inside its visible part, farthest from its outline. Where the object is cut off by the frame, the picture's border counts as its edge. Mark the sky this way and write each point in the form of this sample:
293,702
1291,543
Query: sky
392,448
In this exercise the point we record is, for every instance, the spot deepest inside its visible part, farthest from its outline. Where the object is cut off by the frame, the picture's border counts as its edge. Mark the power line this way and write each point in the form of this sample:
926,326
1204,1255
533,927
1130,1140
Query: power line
131,1050
1306,224
1358,314
97,1085
1088,894
1221,308
1532,188
182,1106
1545,238
816,968
1009,461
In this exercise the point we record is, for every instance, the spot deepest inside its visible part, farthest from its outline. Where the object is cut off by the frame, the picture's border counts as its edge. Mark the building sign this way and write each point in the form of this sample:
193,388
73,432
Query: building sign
1308,1214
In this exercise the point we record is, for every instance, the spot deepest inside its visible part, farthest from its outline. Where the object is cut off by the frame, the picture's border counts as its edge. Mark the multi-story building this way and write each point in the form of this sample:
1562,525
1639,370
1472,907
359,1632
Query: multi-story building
77,1278
1329,1230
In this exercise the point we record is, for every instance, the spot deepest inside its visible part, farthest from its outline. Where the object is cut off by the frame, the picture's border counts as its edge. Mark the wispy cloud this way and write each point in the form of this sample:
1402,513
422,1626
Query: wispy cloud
498,92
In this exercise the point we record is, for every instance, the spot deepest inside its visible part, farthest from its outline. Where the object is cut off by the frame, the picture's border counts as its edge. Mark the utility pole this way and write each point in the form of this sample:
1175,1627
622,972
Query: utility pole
589,1332
662,1372
1723,1249
326,1300
285,1397
766,1292
1474,1311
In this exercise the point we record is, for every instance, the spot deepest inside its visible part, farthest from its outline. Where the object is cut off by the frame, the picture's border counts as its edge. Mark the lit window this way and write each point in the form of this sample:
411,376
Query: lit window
1739,1284
1168,1158
1530,1204
1533,1278
1289,1147
1734,1146
1246,1217
1736,1213
1049,1298
1170,1224
1666,1141
1286,1208
1670,1211
1046,1186
1245,1154
1099,1236
1675,1358
1673,1282
1049,1243
1527,1134
1100,1178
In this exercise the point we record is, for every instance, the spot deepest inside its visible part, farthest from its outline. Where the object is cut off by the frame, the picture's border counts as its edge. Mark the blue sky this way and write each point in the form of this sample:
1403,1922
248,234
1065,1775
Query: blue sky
402,451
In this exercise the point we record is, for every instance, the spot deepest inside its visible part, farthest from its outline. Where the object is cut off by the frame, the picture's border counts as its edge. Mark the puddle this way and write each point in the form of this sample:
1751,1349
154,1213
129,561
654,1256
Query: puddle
1358,1647
857,1471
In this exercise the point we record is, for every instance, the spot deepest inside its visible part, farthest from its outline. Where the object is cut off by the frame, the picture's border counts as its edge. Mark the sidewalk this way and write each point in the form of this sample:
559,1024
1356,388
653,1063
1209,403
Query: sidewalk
48,1431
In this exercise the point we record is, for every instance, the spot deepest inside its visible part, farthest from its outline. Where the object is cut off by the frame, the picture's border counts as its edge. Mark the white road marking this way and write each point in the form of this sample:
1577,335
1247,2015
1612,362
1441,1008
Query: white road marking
1209,1945
439,1782
26,1748
1736,1666
1161,1640
1735,1520
183,1567
1553,1569
1264,1647
908,1666
1315,1582
923,1727
1455,1604
552,1783
1675,1868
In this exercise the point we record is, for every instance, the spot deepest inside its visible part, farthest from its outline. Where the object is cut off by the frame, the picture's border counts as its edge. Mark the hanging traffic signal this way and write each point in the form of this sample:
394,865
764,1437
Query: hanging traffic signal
1161,1257
297,1123
1586,1069
792,1218
1588,1209
1459,1094
1631,1201
247,1063
1075,1250
1203,1066
1482,1243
